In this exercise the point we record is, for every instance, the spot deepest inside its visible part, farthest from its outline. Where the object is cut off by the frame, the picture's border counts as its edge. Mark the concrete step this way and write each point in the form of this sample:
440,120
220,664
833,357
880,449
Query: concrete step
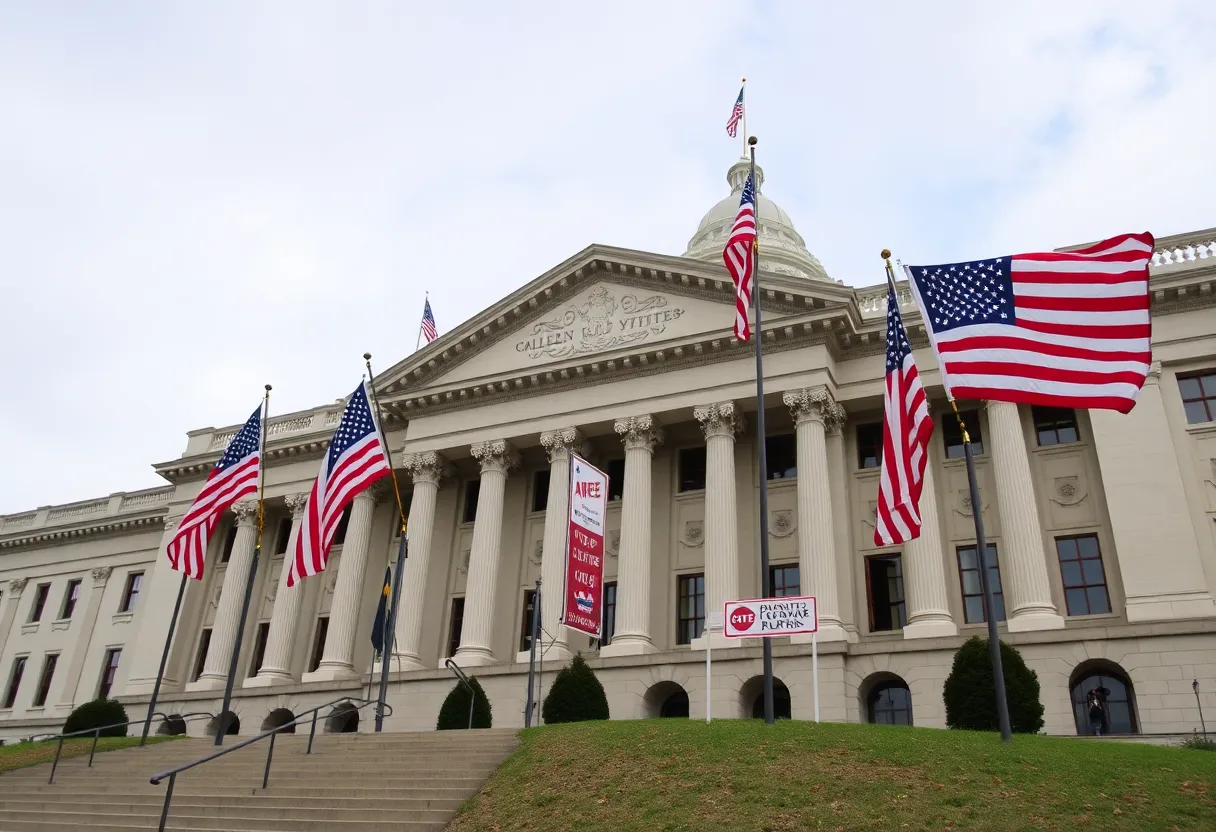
336,814
234,824
184,790
200,804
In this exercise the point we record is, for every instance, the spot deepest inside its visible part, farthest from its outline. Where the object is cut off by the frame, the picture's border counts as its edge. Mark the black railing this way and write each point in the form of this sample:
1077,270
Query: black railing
464,680
172,773
96,732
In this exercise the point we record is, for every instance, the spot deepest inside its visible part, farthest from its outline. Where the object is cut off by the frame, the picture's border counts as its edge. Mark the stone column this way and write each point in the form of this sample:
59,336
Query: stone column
12,599
924,571
285,617
640,435
1022,559
337,661
232,598
427,469
497,457
720,422
84,638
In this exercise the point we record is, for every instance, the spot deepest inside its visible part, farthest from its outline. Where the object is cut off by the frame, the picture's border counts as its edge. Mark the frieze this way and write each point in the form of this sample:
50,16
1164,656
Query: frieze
600,324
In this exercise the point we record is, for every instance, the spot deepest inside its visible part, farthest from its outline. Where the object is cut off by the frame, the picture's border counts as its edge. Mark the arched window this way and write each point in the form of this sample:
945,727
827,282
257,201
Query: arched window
890,703
781,701
1103,700
675,706
665,699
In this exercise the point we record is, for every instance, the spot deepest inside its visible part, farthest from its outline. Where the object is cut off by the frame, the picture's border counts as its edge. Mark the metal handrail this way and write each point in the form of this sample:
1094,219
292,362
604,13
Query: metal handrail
96,732
272,733
464,680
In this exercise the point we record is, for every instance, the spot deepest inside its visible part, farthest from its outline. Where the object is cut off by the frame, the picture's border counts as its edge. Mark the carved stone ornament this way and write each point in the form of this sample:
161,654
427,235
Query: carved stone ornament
496,455
639,432
331,579
782,523
614,543
102,574
964,504
462,563
16,585
1068,491
426,467
721,419
171,523
871,518
559,444
216,591
296,503
815,403
601,323
694,534
538,553
246,512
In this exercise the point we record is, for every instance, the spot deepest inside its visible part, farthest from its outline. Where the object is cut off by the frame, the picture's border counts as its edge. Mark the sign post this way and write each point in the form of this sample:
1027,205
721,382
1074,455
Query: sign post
714,625
770,617
815,670
583,590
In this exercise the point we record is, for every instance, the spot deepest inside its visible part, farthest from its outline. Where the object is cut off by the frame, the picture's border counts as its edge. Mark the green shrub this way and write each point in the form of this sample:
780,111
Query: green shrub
969,690
1199,742
95,714
455,711
576,695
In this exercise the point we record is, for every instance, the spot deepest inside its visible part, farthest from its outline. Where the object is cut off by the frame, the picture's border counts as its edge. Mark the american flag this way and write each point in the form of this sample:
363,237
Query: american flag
905,438
429,332
736,115
1066,329
233,477
739,259
356,458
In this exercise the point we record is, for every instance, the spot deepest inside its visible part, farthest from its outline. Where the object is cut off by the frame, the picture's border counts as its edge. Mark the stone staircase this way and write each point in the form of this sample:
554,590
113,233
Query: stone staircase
350,783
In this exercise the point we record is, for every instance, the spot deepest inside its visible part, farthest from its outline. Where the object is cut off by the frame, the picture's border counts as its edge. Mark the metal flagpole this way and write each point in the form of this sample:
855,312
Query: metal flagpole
418,341
761,451
403,552
981,548
164,658
222,729
745,126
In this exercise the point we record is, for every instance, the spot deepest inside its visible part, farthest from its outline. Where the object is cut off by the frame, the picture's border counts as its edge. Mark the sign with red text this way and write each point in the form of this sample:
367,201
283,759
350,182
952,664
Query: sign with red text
766,617
584,591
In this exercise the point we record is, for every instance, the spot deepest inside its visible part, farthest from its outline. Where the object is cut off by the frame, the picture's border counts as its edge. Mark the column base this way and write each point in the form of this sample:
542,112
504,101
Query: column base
628,646
1034,621
474,656
206,682
401,663
827,632
1168,607
718,642
931,628
330,673
269,678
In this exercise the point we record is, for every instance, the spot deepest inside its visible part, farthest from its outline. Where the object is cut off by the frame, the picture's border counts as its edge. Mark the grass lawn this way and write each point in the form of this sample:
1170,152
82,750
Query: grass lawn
741,775
25,754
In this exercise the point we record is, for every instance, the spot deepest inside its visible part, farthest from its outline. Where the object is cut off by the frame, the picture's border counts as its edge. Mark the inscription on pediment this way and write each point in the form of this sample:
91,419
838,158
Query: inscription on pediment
603,322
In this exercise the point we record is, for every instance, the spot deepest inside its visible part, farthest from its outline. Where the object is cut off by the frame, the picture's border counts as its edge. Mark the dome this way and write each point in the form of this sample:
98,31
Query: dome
782,249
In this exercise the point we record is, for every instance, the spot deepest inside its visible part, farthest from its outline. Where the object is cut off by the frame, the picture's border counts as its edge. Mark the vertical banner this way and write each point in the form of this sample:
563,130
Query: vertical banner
584,591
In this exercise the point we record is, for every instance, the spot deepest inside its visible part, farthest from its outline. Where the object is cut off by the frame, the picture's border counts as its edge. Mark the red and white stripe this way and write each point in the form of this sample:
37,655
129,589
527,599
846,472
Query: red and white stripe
740,262
907,427
188,549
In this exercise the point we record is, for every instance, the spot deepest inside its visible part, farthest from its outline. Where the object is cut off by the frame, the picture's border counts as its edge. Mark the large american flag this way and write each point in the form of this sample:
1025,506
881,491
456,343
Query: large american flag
233,477
740,261
429,332
356,458
1067,329
905,438
736,115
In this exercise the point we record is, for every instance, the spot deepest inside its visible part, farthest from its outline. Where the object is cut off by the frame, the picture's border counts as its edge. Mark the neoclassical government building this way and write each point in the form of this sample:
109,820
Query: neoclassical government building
1101,526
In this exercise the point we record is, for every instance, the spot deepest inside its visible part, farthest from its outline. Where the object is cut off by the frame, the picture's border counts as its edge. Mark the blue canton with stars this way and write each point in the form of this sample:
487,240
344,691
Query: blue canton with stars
245,442
749,192
897,337
356,425
965,294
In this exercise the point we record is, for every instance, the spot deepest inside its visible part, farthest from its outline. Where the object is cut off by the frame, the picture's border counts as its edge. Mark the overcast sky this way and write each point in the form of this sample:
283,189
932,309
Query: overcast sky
198,198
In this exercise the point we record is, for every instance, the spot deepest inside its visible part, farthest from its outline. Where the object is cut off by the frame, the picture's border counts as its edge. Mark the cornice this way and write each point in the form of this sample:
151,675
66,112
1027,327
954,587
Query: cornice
311,446
114,526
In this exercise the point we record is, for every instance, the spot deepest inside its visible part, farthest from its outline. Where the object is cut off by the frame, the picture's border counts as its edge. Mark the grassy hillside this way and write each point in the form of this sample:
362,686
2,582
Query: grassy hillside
25,754
742,775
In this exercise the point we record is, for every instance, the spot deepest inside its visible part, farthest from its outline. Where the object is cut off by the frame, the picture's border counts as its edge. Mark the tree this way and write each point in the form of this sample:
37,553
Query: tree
96,714
576,695
970,690
454,714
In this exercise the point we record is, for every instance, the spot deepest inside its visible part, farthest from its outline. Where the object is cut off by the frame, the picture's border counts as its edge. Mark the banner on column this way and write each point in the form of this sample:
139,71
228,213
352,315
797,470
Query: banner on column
765,617
584,586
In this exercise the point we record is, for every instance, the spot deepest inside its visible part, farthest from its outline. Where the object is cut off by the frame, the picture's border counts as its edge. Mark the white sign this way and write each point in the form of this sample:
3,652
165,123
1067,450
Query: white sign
715,623
766,617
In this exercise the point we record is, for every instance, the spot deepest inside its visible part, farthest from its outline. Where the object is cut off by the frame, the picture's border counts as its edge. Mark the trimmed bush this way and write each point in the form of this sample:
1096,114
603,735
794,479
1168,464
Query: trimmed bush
969,690
576,695
95,714
454,715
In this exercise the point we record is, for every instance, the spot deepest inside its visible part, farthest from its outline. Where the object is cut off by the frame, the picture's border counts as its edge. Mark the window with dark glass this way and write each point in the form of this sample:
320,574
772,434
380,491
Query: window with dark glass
1054,425
609,613
455,625
885,592
318,643
340,532
890,703
973,594
1084,578
692,469
259,648
869,445
130,592
525,626
785,581
616,479
282,535
44,679
229,541
690,620
200,658
109,670
70,596
781,454
472,489
540,490
14,680
40,596
952,436
1198,396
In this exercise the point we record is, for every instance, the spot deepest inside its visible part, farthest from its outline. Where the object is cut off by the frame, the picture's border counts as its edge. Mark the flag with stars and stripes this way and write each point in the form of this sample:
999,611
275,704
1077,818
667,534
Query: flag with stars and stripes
233,477
429,332
905,438
740,260
736,115
1059,328
356,458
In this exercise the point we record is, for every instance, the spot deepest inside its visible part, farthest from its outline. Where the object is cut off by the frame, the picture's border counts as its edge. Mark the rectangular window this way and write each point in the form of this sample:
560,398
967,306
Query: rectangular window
609,613
885,592
259,648
14,680
869,445
781,454
109,671
130,593
540,490
318,643
1054,425
1198,396
690,619
455,624
973,594
785,581
616,479
472,489
952,436
340,532
692,469
200,658
1084,578
40,595
44,680
282,536
69,599
525,629
229,542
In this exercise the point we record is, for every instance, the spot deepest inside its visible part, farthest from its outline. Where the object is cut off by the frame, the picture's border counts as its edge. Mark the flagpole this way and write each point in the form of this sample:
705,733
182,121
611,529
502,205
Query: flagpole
417,342
981,550
403,552
164,658
744,92
222,728
761,450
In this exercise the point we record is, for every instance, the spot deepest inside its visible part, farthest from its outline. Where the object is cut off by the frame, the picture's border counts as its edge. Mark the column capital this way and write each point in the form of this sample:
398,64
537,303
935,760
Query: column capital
815,404
559,444
296,503
721,419
426,467
377,491
639,432
1154,372
495,455
101,574
246,512
16,585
